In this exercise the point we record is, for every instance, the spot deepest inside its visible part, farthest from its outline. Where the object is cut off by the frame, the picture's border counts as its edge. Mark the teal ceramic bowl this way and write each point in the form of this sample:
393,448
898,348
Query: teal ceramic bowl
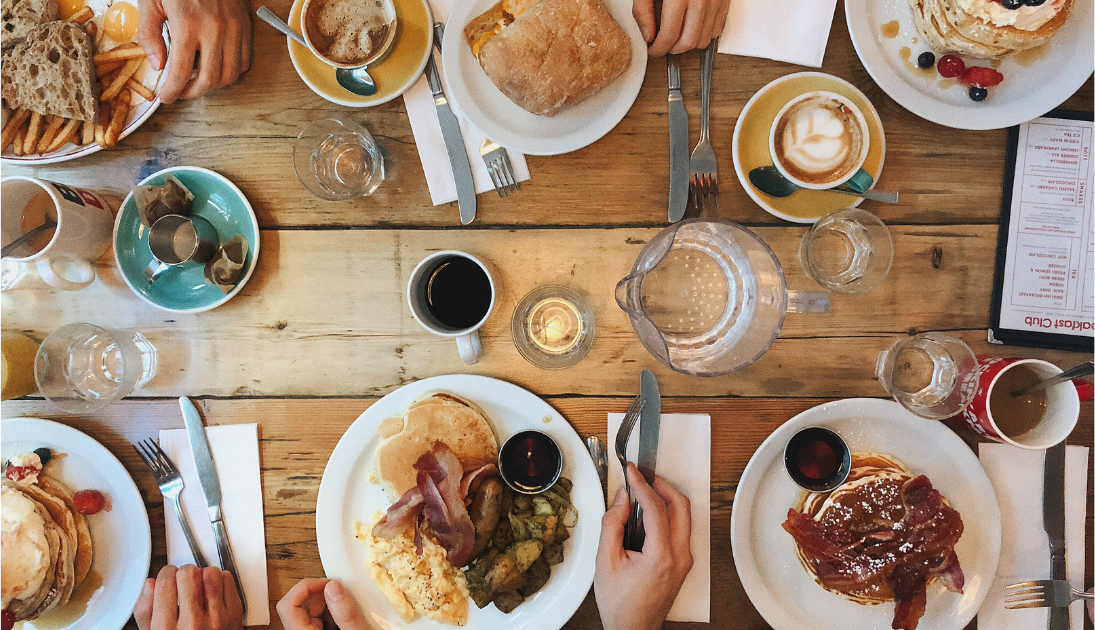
184,289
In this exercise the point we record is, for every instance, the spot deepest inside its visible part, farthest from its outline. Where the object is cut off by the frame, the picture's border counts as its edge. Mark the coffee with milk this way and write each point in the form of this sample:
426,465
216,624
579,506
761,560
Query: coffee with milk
349,32
819,139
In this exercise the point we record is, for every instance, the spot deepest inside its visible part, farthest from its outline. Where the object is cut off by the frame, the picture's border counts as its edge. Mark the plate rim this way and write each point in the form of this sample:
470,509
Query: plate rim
58,431
253,246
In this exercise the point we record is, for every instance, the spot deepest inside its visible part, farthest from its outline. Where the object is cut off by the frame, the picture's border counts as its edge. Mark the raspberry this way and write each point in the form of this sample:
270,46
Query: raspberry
979,76
89,501
18,473
7,620
950,66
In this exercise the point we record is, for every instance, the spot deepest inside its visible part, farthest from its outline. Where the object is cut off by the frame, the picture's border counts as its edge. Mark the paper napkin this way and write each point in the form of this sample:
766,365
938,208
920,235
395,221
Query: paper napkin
684,459
236,455
430,143
1016,476
784,30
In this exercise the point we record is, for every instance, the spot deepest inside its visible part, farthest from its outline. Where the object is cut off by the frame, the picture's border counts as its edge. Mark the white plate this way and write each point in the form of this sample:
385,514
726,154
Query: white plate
121,541
1026,92
501,120
785,594
345,497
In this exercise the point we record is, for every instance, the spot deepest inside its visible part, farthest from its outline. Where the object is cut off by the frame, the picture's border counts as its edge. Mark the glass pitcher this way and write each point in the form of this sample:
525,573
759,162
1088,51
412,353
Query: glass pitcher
707,297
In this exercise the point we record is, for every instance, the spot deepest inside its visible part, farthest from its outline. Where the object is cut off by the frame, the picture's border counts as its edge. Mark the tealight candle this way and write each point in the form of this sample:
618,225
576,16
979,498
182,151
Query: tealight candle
555,325
552,327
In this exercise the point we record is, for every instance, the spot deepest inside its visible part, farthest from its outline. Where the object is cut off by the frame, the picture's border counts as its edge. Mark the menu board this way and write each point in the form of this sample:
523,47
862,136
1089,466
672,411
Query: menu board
1044,293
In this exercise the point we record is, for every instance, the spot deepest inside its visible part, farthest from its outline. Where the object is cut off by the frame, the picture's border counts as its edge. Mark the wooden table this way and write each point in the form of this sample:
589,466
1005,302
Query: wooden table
322,330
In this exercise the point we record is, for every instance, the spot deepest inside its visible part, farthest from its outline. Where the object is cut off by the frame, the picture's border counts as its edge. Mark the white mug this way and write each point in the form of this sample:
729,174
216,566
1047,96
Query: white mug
83,232
467,339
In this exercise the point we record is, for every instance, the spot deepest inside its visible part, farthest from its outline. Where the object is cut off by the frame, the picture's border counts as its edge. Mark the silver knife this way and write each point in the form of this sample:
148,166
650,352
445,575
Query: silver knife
454,140
678,143
211,487
650,419
1053,517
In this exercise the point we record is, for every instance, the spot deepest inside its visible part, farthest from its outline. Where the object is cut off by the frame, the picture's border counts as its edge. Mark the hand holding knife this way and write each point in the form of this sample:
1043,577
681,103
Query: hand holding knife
649,429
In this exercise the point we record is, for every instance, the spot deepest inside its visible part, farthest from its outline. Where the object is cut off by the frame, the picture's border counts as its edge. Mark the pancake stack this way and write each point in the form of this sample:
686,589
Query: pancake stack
46,544
986,29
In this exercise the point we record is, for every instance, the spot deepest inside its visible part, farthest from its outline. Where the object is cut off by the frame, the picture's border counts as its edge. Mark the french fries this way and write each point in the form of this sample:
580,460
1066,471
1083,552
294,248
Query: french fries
125,51
103,69
34,129
81,16
14,126
136,86
52,127
124,74
117,119
63,135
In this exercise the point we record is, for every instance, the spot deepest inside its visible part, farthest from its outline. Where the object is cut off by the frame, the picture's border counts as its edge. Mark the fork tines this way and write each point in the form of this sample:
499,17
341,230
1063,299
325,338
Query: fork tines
703,189
1027,595
500,168
152,455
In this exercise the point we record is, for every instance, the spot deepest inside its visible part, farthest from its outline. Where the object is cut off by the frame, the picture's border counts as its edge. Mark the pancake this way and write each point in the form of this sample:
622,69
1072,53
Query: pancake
83,534
950,26
60,530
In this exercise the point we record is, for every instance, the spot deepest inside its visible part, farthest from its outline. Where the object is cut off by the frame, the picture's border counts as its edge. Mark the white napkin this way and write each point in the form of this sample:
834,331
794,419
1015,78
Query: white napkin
236,455
684,459
1016,476
784,30
430,142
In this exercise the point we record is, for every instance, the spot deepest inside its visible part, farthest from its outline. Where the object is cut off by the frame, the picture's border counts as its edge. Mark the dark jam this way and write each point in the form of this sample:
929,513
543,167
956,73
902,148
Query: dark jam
530,462
817,459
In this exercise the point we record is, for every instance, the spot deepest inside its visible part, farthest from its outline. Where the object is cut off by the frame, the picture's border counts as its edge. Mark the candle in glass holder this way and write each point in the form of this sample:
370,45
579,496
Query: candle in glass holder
552,327
555,325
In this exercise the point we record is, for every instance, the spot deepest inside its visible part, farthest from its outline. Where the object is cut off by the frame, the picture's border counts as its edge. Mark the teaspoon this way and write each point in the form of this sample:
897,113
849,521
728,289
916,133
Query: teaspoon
12,246
770,181
1084,369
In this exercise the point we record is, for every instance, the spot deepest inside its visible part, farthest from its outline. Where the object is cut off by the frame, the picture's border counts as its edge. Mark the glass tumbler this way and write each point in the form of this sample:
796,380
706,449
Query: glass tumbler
338,159
83,367
848,251
933,375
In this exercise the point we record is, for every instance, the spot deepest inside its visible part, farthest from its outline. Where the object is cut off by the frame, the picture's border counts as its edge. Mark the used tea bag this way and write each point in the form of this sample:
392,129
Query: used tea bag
154,202
225,267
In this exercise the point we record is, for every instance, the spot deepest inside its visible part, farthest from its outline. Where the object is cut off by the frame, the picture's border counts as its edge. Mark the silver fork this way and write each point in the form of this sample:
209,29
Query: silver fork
703,177
622,436
1042,594
500,168
171,486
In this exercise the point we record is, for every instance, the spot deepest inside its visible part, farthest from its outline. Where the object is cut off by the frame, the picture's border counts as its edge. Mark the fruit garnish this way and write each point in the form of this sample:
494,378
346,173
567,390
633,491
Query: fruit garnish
89,501
19,473
7,620
950,66
977,93
982,77
1034,3
1011,4
926,60
44,454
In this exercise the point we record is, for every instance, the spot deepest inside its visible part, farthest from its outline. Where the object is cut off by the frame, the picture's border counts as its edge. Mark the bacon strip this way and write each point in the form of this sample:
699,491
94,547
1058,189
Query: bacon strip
400,516
473,476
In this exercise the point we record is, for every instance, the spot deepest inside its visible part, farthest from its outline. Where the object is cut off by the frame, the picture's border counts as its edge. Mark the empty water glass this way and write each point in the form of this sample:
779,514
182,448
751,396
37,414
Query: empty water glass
933,375
82,367
338,160
848,251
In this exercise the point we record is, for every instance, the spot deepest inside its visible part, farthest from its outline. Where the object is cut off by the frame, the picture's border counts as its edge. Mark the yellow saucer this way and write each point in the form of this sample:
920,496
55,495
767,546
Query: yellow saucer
393,74
750,148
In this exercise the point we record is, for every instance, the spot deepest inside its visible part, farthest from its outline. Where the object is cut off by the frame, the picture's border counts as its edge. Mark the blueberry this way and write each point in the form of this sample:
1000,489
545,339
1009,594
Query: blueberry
43,454
1034,3
1011,4
925,60
978,94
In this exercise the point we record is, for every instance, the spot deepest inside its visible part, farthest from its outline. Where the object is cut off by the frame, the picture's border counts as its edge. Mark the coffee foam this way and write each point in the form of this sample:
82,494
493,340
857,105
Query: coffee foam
819,140
348,31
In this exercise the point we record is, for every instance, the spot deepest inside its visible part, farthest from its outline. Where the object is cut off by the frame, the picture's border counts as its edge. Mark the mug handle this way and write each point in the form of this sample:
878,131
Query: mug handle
470,348
155,269
54,279
860,182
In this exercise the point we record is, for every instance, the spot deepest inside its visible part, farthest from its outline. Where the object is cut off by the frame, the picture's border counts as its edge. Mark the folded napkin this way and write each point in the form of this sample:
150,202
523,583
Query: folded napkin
236,455
431,144
684,459
1016,476
784,30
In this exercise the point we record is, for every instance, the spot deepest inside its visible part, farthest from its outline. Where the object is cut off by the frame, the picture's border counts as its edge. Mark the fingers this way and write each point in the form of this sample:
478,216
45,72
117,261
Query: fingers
655,520
214,588
612,525
673,14
643,12
343,608
692,29
191,596
303,603
150,33
165,608
210,64
142,612
180,64
233,600
679,512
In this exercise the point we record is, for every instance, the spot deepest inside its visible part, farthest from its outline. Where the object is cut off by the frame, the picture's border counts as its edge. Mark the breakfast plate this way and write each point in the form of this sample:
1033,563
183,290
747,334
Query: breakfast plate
764,554
394,73
185,289
504,122
750,147
346,497
122,543
1035,81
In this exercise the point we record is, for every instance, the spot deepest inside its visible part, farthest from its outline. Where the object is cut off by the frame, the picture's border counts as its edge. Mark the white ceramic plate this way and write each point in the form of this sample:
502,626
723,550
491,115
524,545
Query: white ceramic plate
1026,92
777,584
121,542
501,120
345,497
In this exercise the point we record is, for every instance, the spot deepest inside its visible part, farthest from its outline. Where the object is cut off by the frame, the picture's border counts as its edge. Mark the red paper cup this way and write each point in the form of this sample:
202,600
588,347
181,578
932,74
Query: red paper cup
1062,406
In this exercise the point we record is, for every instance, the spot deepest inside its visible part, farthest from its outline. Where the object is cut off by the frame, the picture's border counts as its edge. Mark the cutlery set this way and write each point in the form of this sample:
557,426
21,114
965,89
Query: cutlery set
645,410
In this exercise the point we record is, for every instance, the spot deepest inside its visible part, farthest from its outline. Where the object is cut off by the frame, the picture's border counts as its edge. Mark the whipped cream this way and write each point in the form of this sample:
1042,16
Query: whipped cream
1025,18
24,548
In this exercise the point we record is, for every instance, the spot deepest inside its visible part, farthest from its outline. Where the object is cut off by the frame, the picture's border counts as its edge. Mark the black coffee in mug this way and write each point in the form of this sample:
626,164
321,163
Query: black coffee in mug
458,293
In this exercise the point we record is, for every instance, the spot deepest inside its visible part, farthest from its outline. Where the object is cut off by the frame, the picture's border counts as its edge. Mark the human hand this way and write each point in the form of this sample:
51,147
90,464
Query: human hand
685,24
217,31
310,600
635,590
189,598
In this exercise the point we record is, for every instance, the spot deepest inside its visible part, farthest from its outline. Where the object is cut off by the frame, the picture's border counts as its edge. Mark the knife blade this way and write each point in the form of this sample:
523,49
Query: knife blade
1053,518
211,488
650,418
678,143
454,144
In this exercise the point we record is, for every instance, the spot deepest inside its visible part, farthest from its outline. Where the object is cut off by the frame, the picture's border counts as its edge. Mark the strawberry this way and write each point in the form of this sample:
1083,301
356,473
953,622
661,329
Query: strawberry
982,77
18,473
7,620
88,501
950,66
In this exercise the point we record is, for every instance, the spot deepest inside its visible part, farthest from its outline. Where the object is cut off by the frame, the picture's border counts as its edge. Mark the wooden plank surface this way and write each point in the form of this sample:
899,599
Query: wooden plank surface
293,460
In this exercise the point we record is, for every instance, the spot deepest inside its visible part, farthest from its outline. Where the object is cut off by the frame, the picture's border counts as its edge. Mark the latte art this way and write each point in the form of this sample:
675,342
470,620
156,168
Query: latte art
819,140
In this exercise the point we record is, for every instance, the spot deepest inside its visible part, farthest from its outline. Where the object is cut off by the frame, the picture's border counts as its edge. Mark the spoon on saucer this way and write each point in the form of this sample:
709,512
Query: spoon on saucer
353,80
770,181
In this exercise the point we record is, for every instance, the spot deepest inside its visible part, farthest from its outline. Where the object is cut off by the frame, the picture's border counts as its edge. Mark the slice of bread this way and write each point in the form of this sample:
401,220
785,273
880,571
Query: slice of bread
51,72
19,17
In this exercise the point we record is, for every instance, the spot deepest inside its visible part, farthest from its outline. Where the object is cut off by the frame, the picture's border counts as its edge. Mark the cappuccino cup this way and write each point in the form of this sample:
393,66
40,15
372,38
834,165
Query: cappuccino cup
820,140
348,33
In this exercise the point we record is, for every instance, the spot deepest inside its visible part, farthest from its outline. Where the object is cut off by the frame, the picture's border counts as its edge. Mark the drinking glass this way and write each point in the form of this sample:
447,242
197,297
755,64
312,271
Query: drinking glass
337,160
82,367
933,375
552,327
848,251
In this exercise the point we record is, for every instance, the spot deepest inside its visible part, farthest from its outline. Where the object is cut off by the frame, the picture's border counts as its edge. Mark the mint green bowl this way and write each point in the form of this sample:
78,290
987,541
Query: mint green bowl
184,289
